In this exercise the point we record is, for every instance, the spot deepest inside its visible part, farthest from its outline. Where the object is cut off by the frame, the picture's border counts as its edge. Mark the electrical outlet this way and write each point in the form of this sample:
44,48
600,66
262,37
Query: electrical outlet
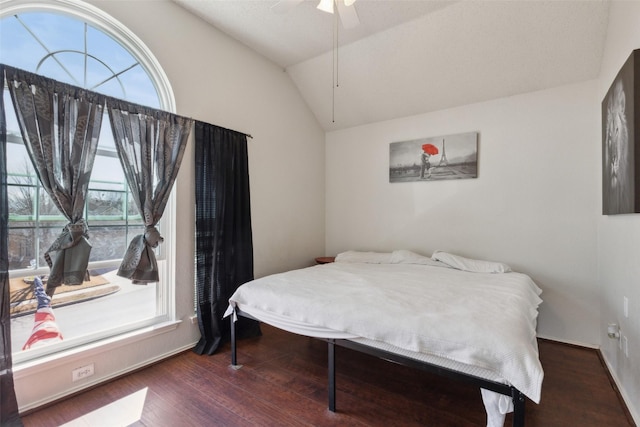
626,306
82,372
620,340
625,345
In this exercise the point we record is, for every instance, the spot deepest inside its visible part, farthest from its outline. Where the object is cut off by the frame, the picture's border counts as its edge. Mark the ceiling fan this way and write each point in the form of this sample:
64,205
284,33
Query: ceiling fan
346,9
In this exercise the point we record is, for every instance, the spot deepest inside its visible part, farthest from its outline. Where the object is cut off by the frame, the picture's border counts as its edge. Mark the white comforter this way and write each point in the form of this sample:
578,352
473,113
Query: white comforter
479,319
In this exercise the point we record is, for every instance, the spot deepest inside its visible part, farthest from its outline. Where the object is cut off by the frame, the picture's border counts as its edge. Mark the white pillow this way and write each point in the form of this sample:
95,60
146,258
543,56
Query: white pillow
467,264
364,257
407,257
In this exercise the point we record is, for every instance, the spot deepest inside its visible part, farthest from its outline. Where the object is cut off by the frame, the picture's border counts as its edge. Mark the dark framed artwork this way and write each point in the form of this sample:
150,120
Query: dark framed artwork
435,158
620,141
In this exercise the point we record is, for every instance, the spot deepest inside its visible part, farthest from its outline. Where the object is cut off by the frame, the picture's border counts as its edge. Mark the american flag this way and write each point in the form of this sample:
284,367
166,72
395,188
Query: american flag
44,326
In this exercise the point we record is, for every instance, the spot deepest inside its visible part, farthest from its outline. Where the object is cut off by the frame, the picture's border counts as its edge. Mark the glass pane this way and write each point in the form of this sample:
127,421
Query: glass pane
22,248
13,129
107,173
47,234
105,303
19,48
118,58
108,242
22,203
133,212
106,83
140,88
48,210
21,177
64,66
55,31
105,205
58,34
111,186
133,232
105,141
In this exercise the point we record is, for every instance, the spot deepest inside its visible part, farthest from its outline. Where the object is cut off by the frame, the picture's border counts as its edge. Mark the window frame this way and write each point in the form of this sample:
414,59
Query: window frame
166,287
107,24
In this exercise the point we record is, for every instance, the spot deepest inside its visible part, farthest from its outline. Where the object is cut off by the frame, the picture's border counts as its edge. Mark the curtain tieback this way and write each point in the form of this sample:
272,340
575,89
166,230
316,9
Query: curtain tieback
70,237
152,236
70,265
139,262
75,230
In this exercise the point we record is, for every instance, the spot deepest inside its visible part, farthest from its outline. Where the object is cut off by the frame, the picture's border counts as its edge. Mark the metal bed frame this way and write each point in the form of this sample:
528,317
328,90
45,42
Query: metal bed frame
516,395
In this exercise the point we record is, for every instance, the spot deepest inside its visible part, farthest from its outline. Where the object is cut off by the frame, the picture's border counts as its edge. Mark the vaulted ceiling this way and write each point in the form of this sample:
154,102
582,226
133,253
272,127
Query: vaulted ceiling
410,57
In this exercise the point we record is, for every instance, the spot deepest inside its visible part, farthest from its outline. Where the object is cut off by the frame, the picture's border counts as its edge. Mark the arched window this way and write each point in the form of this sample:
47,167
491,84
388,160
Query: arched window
78,44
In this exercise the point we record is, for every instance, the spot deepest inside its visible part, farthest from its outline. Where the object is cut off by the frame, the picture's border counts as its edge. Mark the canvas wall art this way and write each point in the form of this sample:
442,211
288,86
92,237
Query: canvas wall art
435,158
620,141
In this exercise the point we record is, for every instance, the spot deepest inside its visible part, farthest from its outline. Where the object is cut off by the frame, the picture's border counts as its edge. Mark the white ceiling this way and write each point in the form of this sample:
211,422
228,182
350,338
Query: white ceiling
415,56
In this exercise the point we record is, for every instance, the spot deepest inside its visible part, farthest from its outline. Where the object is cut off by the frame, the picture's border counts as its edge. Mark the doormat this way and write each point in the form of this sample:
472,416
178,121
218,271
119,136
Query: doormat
23,302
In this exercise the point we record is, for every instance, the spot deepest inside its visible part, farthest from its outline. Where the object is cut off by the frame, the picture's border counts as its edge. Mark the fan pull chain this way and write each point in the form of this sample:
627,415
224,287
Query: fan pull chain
337,25
335,83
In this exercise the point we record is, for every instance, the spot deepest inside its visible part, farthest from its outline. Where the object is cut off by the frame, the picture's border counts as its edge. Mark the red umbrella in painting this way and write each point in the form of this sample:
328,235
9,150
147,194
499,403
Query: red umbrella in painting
430,149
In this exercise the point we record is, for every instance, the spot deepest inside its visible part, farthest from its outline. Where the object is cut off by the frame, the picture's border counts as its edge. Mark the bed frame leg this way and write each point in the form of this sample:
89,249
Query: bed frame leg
234,356
518,408
332,375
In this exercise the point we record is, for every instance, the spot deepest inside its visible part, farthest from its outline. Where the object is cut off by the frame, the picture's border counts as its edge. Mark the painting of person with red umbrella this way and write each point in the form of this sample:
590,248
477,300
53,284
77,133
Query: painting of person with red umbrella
428,150
435,158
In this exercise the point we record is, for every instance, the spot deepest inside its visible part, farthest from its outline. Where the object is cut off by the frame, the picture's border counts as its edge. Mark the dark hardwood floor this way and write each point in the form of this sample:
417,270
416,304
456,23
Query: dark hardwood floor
283,382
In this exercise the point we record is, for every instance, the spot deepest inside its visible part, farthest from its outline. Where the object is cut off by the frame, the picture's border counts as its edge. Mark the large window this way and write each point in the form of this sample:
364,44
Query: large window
77,44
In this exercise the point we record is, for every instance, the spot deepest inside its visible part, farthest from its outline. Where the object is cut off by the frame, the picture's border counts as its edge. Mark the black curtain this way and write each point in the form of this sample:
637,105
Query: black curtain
8,405
224,243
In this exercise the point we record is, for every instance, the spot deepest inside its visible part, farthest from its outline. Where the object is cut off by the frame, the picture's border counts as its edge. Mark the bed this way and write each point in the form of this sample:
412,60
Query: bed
467,319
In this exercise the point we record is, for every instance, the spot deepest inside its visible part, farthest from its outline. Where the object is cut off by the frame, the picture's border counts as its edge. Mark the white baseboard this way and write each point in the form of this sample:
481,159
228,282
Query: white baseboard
576,343
627,400
97,381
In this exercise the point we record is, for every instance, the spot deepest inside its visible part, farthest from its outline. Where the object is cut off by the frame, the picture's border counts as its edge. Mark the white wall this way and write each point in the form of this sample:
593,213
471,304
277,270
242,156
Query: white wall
619,235
217,80
532,206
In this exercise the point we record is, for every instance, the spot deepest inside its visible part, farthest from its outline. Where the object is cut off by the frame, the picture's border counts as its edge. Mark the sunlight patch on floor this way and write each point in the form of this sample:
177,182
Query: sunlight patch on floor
122,412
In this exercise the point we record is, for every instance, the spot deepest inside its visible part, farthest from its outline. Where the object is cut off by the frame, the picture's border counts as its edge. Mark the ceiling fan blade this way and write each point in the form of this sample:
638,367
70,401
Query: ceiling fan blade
284,6
348,15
